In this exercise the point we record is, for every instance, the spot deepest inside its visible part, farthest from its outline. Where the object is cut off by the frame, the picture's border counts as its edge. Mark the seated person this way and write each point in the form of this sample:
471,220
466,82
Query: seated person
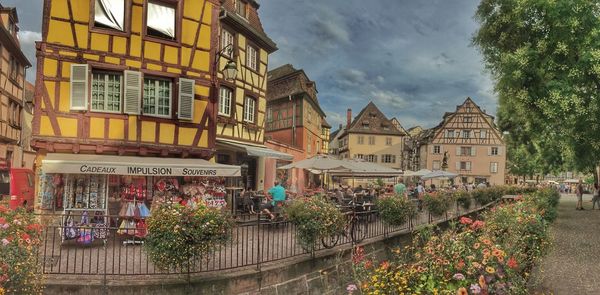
277,196
247,200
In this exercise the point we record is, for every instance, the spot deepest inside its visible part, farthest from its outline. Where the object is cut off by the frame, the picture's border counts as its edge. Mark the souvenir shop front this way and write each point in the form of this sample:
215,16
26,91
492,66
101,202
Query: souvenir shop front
127,188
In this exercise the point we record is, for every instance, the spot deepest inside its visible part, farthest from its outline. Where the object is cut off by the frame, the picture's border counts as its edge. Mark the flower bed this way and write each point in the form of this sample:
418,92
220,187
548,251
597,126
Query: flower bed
489,256
20,238
315,218
179,234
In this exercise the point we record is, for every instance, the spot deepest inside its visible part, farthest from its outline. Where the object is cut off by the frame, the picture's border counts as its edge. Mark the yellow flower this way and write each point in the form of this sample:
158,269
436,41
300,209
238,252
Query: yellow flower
490,269
462,291
476,246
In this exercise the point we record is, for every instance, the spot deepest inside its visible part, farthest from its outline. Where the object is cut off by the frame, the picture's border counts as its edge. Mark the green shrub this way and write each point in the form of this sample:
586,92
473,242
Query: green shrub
178,234
395,210
463,198
315,218
437,203
20,271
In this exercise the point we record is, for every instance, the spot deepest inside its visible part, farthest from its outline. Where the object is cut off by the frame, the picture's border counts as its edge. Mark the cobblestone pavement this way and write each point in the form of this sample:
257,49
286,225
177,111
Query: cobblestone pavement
573,264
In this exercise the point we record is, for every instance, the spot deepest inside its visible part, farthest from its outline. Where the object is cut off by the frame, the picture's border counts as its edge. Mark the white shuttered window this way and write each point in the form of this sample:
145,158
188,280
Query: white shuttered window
186,99
251,60
133,92
79,87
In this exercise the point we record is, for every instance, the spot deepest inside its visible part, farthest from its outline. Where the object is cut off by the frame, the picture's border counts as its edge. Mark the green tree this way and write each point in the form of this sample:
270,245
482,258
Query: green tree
545,58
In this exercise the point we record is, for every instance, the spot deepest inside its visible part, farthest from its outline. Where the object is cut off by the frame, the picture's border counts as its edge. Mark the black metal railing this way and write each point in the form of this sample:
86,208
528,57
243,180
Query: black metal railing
254,241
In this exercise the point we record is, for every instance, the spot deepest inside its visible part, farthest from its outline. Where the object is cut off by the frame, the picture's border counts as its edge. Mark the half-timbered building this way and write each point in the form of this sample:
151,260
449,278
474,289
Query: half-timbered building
471,142
124,90
12,90
295,117
242,105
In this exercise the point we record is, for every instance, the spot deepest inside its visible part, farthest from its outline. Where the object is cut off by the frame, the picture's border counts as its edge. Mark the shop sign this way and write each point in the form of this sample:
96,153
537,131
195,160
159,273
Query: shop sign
147,171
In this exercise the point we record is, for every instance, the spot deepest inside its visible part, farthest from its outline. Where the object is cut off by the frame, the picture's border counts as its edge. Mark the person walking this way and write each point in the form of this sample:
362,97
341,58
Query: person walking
579,193
596,198
400,189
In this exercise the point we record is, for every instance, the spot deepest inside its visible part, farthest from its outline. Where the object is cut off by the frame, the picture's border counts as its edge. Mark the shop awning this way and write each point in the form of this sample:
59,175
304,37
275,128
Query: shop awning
127,165
257,151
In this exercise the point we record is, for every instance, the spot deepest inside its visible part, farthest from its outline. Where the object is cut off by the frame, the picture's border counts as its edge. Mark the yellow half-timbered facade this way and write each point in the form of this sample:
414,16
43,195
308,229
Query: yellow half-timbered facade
127,77
242,101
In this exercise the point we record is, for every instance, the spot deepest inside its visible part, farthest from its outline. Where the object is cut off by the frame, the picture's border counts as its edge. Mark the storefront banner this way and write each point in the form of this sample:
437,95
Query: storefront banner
142,166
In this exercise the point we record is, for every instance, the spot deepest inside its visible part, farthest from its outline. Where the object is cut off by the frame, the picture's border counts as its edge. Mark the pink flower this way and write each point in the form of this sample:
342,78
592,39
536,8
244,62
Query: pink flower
466,220
5,226
5,242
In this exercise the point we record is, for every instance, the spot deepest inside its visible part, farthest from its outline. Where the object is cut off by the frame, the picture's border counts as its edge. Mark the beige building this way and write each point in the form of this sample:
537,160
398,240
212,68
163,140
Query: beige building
372,137
472,144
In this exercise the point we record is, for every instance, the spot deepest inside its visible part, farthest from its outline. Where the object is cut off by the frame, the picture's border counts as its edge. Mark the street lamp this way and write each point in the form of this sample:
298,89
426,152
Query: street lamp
230,69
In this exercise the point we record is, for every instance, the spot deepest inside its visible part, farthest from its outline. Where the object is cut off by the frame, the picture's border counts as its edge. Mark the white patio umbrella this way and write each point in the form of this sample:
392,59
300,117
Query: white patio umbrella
320,163
438,174
420,172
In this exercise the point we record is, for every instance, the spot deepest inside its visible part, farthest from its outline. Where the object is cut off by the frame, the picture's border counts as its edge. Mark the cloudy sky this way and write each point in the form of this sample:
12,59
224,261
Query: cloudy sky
412,58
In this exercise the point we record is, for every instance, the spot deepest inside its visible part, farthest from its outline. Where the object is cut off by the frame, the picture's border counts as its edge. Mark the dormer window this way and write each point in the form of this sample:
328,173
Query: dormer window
160,20
240,8
365,124
110,14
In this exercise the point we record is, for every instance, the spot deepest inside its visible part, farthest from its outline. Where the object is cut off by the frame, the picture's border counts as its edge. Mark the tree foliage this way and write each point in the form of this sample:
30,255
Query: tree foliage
545,58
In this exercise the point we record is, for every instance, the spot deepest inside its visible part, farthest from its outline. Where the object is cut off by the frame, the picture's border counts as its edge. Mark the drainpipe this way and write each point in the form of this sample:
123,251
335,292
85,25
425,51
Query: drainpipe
293,120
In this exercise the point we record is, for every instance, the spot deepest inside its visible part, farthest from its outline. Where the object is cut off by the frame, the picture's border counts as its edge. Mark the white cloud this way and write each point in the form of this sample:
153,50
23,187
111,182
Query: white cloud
27,40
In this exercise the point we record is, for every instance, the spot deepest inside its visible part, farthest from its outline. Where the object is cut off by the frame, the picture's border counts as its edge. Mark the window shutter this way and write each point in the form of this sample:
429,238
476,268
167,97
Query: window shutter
500,151
133,92
468,166
186,99
457,166
489,150
458,151
79,87
473,151
441,149
432,149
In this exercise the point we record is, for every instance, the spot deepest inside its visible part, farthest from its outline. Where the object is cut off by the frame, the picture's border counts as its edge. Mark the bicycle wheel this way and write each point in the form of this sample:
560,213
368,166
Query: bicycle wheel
358,231
330,241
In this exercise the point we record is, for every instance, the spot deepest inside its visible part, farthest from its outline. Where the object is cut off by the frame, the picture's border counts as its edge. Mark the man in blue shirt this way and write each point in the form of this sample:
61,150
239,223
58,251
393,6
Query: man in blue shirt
277,196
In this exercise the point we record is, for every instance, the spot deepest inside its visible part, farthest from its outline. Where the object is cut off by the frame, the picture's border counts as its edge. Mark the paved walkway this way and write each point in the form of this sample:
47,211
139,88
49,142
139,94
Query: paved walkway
573,264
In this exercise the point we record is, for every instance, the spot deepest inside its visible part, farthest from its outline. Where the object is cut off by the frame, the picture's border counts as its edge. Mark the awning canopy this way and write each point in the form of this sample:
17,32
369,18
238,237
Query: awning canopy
127,165
257,151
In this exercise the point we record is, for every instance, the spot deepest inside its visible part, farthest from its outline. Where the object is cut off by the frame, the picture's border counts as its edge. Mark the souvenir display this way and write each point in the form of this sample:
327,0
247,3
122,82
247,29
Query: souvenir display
85,192
208,191
134,210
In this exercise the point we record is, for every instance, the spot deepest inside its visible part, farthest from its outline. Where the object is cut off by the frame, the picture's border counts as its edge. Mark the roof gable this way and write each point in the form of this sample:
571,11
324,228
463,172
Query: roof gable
372,120
468,116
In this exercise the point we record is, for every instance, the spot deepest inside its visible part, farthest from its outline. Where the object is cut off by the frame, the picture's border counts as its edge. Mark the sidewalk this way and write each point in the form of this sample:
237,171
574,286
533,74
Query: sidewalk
572,265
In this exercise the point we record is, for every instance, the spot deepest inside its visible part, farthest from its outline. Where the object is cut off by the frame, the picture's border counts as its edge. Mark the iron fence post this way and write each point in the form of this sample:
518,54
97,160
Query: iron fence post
258,244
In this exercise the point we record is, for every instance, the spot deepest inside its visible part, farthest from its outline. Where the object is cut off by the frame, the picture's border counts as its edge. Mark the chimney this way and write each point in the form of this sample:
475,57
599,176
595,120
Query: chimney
348,118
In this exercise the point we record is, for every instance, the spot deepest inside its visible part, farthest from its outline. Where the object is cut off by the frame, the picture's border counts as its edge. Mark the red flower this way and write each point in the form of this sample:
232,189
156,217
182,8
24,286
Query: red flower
3,209
34,227
460,264
466,220
477,225
25,236
384,265
512,263
368,264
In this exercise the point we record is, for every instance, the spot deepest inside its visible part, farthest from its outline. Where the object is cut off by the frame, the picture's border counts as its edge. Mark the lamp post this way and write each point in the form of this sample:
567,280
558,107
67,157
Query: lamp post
230,69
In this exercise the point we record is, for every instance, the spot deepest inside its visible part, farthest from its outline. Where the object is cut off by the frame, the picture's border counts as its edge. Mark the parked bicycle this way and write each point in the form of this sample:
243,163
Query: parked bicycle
356,225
